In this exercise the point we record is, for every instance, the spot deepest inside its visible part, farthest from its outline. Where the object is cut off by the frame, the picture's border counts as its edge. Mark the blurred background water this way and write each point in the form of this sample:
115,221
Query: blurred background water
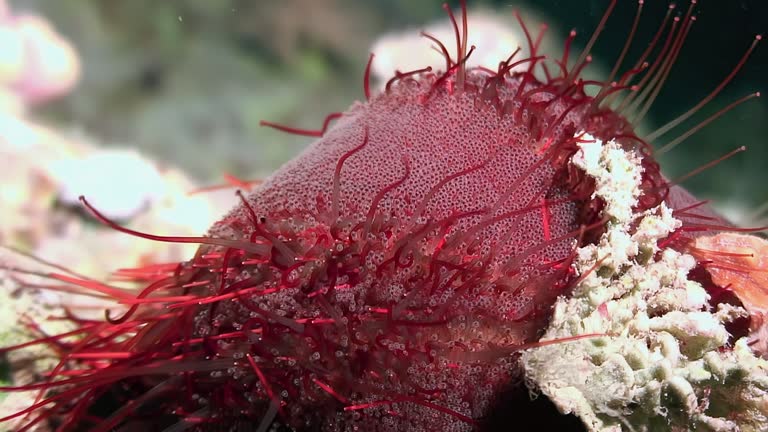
187,81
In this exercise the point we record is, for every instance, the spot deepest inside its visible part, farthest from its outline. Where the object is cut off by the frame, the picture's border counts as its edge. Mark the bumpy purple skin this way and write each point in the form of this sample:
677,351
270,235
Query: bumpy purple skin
429,231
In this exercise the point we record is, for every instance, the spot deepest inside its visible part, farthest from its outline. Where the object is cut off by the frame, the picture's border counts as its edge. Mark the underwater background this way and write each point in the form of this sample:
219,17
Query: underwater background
187,81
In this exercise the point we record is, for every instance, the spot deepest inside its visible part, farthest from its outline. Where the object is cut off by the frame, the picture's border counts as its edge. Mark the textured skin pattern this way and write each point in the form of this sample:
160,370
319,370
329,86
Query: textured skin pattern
436,227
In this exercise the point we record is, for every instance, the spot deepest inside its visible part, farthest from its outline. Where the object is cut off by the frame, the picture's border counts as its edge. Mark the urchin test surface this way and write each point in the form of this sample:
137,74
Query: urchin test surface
437,138
440,137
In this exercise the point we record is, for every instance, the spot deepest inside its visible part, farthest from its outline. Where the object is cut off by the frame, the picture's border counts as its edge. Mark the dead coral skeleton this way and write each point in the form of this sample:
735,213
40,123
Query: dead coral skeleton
664,360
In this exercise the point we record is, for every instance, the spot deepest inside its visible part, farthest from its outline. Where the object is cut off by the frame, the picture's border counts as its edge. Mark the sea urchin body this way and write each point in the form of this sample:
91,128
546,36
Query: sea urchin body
382,279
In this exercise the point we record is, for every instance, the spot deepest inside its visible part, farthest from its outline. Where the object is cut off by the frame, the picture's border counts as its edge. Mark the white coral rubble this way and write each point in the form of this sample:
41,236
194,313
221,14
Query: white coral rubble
663,362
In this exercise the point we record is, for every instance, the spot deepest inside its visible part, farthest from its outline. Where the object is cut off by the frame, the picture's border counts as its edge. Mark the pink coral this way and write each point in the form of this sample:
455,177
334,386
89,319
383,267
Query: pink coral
37,64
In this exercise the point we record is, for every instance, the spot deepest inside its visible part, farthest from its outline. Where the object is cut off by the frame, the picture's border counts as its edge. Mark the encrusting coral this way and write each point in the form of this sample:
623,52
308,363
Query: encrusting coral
666,360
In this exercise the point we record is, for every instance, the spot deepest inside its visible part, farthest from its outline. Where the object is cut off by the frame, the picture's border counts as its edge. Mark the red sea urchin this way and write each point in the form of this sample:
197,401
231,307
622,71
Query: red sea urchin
382,280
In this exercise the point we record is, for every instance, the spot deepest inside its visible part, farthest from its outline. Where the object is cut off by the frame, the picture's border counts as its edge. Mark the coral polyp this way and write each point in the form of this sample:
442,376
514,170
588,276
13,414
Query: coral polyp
388,277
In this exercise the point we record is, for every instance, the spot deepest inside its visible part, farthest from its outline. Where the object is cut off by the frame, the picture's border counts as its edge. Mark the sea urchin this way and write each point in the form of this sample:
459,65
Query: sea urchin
385,278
